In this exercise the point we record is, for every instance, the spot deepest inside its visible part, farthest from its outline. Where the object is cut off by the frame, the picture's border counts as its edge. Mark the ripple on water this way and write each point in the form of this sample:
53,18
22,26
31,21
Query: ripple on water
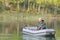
33,37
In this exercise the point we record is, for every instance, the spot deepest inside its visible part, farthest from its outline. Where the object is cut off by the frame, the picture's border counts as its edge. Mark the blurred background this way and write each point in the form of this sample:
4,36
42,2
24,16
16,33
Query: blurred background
15,14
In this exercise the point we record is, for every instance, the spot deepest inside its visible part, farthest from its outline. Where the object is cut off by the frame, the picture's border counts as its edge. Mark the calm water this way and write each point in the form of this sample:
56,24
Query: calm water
33,37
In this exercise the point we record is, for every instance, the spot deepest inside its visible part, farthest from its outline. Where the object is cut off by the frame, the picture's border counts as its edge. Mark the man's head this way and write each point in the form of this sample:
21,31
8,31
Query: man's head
40,19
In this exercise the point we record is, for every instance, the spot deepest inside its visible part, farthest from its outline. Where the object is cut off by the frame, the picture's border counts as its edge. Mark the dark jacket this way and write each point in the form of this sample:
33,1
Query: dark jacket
42,25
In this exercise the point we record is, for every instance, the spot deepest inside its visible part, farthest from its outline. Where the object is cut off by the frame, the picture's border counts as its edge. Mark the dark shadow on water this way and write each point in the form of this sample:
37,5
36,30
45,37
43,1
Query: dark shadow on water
34,37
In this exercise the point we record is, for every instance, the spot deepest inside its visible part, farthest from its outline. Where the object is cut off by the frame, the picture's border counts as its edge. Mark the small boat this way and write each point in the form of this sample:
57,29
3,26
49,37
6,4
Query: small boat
34,31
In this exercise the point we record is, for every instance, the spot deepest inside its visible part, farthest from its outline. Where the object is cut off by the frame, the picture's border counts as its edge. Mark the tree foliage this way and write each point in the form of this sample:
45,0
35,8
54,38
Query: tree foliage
49,4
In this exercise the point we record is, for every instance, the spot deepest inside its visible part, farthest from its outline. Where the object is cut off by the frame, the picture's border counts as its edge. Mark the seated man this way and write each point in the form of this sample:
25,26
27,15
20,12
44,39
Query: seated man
41,24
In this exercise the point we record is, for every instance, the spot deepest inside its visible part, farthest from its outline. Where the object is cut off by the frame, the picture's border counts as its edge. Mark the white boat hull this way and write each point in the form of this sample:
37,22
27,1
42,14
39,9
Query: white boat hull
34,31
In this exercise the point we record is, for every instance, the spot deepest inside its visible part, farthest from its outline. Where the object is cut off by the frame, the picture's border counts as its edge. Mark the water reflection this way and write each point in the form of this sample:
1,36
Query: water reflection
34,37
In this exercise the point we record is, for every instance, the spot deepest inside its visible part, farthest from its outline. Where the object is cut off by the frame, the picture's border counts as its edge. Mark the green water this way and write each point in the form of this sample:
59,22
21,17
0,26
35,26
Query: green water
19,36
12,25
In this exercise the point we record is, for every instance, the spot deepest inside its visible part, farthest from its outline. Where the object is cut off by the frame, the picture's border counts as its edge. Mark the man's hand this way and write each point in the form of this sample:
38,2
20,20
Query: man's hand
39,28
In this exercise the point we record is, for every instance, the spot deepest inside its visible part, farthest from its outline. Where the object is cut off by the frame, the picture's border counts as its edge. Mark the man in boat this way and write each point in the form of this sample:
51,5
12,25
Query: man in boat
41,24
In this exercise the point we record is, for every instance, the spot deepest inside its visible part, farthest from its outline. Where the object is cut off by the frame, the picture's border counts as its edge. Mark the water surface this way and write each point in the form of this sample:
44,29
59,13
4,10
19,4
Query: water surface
34,37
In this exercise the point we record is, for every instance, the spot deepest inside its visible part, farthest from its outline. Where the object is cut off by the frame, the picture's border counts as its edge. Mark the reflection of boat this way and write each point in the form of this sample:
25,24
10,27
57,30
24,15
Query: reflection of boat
35,37
34,31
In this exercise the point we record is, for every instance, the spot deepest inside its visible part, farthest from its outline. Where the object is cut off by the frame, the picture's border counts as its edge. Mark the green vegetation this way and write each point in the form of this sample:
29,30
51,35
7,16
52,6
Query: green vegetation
17,14
27,6
13,20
